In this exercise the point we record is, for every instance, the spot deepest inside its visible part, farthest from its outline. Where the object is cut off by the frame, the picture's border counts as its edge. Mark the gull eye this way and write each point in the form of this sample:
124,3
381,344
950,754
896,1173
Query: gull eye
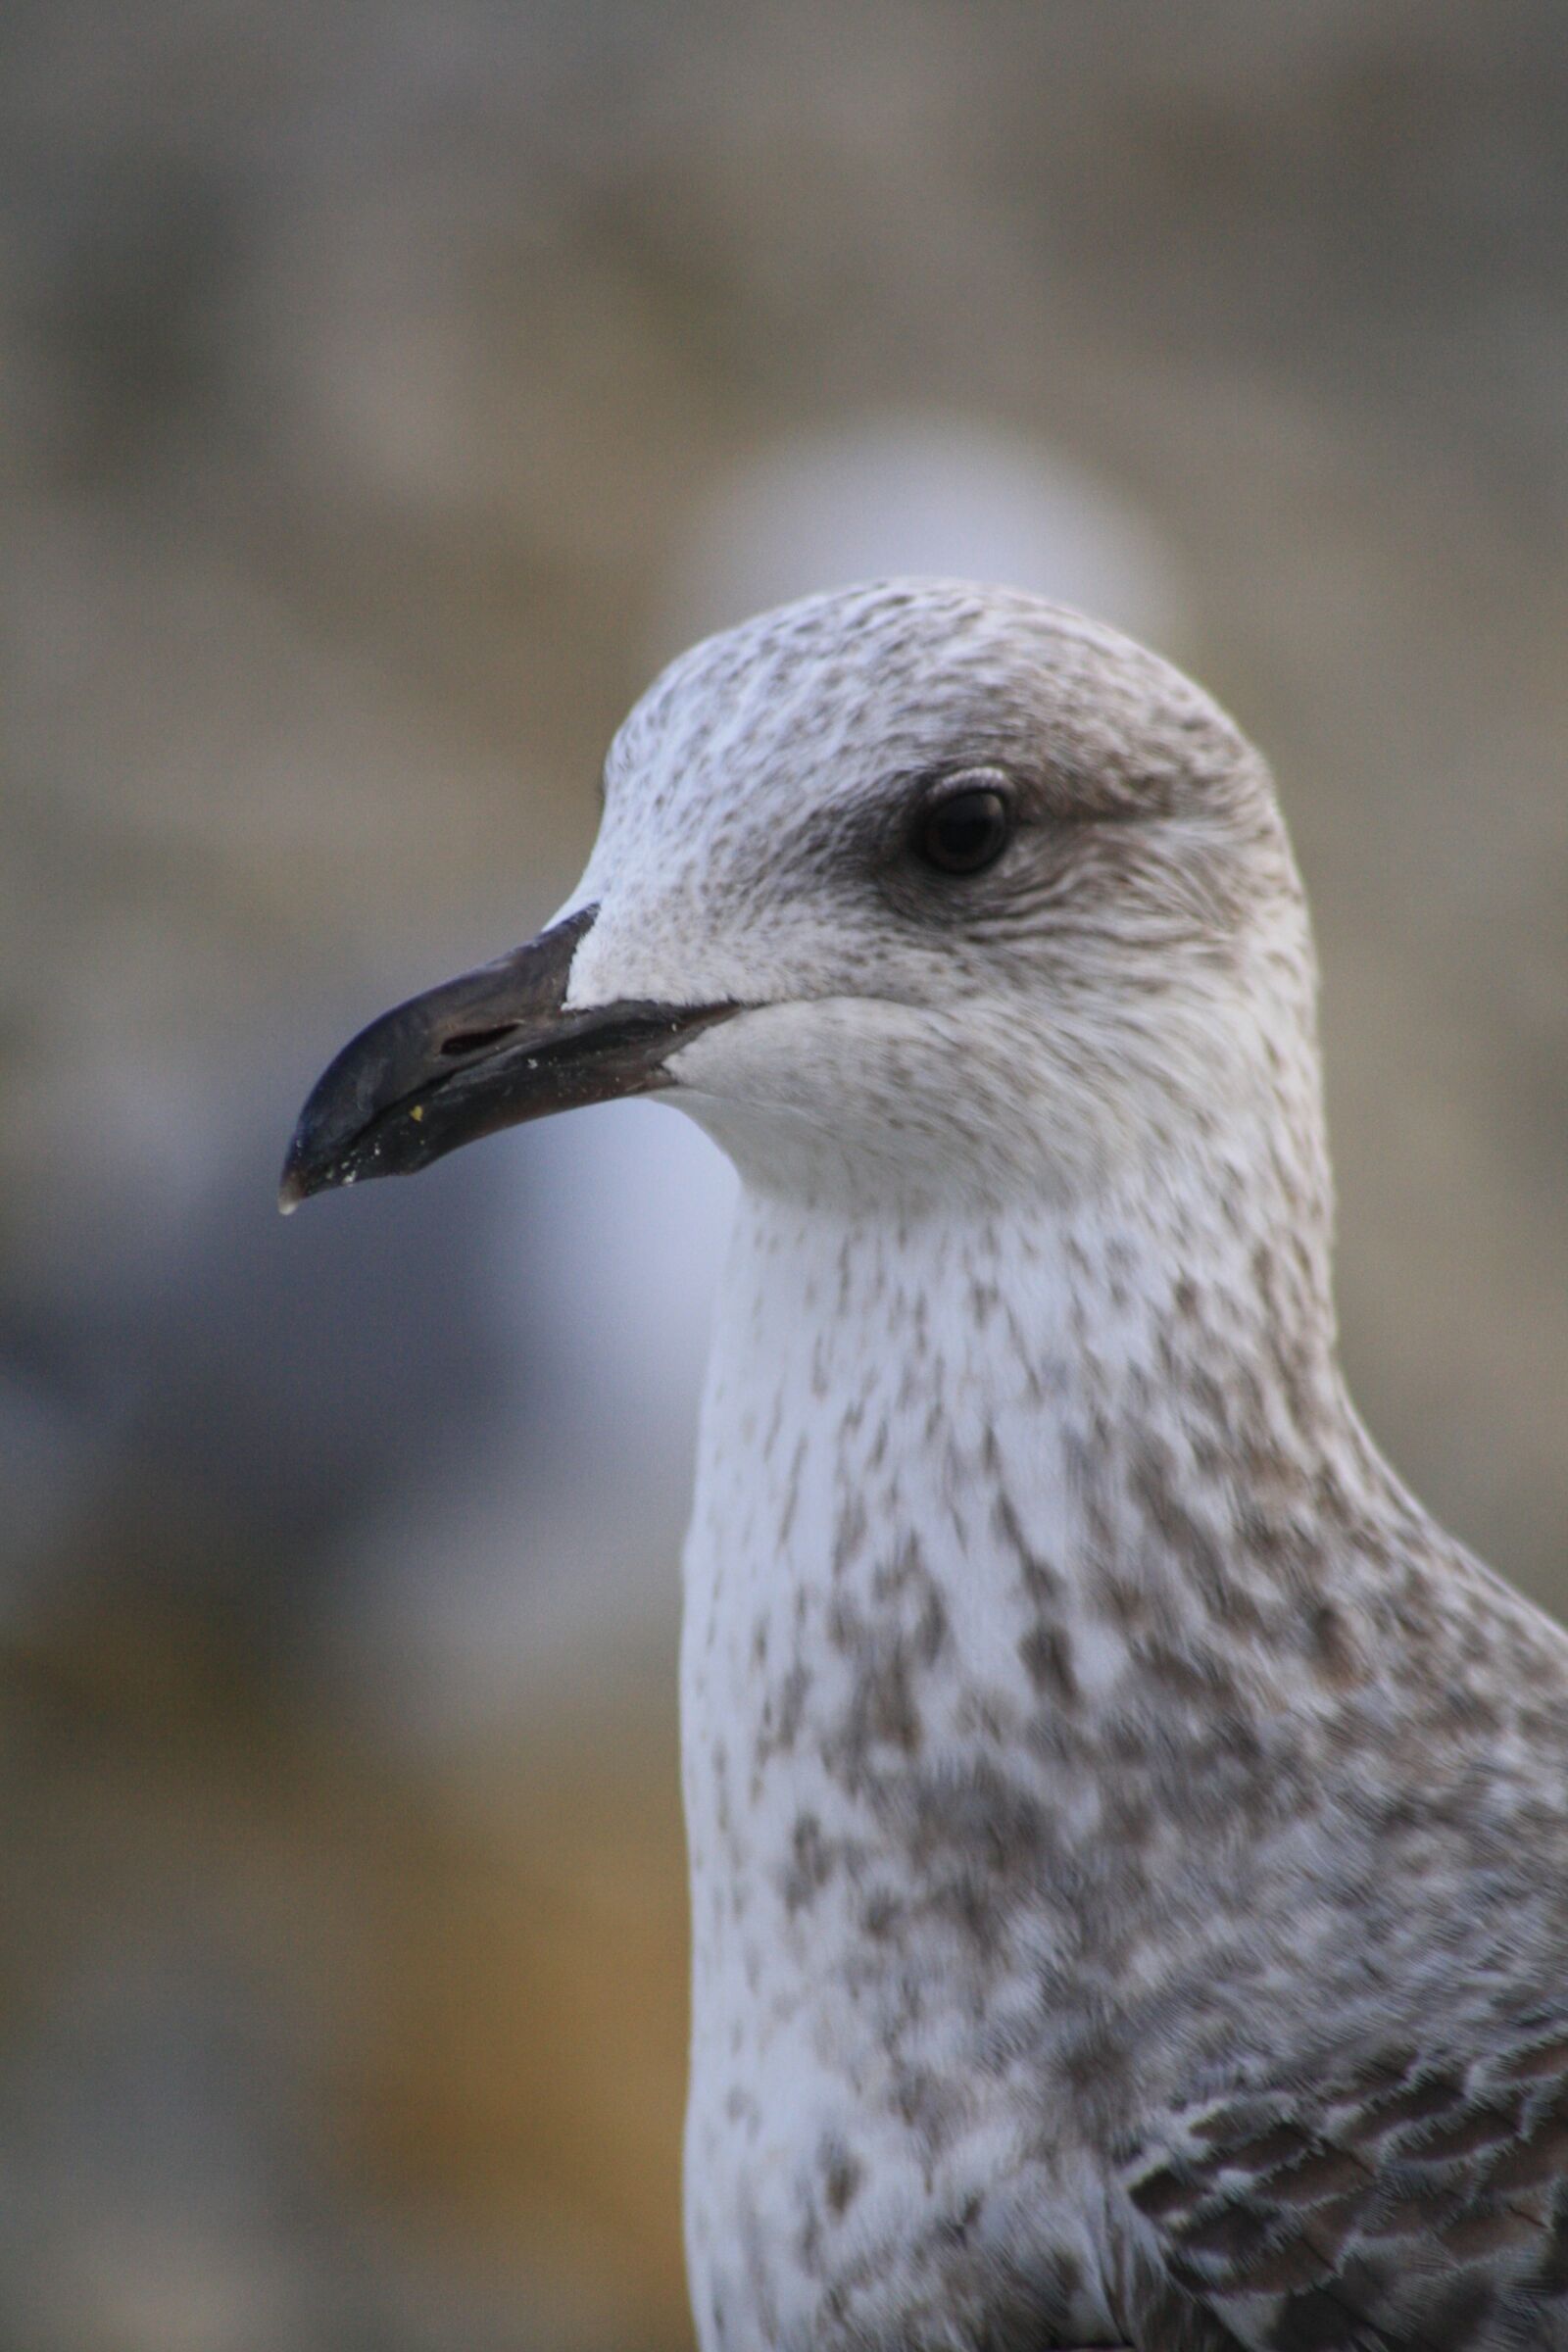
966,825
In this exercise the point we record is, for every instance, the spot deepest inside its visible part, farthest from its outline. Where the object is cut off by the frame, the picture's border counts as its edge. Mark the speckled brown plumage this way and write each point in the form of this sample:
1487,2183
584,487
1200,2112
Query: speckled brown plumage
1129,1839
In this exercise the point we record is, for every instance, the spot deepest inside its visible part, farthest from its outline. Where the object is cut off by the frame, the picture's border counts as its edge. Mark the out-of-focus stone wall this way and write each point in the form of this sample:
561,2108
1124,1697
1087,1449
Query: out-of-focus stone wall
383,391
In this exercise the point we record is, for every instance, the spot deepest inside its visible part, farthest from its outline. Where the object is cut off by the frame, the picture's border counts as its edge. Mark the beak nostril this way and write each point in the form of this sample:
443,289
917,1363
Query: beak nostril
474,1041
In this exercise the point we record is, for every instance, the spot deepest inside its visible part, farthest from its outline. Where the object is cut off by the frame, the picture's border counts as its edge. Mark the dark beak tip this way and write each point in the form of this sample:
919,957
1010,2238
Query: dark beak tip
299,1179
293,1187
321,1151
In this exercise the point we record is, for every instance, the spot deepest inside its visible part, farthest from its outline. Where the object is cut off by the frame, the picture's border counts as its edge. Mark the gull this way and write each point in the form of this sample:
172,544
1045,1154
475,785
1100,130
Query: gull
1128,1835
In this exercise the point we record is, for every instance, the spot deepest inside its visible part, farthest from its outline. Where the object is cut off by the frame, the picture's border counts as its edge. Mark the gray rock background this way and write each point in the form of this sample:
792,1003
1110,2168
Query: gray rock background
383,392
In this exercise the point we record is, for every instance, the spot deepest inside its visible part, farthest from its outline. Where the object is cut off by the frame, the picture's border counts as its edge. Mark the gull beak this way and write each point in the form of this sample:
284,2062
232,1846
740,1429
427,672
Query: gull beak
485,1052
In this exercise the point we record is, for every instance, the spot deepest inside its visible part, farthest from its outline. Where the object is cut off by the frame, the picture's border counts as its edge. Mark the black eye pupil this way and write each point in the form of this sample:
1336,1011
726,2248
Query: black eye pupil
965,831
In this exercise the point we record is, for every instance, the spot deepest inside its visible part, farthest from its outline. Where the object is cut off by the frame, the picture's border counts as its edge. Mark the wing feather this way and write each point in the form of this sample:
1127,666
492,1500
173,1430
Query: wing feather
1418,2204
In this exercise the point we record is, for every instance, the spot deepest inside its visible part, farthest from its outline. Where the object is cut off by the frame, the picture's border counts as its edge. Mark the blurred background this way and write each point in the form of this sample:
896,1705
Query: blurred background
385,390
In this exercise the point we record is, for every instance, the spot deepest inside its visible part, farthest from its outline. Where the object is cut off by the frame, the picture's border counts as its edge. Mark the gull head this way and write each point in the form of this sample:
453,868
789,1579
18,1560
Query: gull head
914,891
